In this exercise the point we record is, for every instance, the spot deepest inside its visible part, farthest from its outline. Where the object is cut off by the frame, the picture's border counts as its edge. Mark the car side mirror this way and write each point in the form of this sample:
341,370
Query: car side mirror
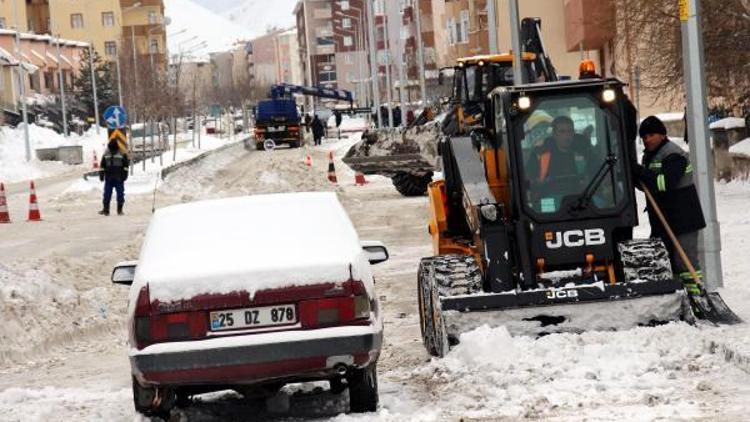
124,272
376,251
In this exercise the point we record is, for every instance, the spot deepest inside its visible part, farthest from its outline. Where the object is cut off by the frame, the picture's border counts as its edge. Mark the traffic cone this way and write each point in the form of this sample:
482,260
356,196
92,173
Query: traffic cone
4,215
34,214
308,159
331,169
359,178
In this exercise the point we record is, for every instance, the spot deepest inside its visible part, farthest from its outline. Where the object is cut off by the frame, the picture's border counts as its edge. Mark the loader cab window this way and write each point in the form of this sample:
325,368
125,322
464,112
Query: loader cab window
566,142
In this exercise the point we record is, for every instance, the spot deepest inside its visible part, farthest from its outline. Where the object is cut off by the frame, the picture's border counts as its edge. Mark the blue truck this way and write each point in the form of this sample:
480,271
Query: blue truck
279,119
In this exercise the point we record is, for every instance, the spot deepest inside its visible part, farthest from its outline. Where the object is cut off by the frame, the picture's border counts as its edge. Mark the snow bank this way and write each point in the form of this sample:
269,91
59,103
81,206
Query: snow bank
249,244
728,123
639,374
348,124
742,148
13,164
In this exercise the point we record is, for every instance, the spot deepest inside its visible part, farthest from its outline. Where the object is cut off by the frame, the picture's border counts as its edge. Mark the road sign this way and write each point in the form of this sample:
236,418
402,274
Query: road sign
269,145
116,117
120,137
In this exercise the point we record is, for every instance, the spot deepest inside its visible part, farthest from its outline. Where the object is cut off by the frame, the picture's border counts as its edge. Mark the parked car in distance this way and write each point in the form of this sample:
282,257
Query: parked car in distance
242,293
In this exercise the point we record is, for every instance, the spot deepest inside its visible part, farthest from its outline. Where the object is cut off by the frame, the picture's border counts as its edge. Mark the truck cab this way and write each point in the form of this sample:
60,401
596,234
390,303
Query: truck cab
279,120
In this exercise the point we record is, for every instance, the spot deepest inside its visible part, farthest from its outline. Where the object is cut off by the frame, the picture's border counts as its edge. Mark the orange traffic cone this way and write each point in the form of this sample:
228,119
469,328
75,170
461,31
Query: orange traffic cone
331,169
4,215
95,163
308,159
359,178
34,214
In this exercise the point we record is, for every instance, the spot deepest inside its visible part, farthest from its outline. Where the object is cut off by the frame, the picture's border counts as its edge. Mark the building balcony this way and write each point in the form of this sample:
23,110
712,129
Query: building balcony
589,24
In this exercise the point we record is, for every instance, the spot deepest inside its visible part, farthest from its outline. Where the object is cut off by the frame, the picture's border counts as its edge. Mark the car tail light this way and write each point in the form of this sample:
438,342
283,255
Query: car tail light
293,128
154,328
347,310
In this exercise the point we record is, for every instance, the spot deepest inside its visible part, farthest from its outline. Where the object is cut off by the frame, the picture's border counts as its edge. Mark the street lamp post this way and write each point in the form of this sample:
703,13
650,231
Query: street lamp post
373,60
93,87
22,85
62,88
359,43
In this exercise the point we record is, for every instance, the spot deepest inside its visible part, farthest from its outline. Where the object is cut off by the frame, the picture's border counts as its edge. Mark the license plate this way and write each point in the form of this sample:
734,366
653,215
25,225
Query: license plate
265,316
276,129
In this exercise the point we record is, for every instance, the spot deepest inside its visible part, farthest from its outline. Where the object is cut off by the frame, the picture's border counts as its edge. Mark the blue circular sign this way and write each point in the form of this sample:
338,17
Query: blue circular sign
116,117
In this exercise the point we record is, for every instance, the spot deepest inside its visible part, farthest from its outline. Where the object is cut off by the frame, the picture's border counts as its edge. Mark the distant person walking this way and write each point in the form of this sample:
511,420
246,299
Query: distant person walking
114,173
318,130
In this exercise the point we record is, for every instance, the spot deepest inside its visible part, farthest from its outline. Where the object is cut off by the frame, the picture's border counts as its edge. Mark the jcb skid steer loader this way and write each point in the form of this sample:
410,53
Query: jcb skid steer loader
524,240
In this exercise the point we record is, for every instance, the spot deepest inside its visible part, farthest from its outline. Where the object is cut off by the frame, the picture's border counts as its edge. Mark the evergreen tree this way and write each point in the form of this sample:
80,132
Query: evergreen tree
106,91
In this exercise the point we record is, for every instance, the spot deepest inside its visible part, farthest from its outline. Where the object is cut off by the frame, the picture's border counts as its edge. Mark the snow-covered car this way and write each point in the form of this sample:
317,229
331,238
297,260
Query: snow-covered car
252,293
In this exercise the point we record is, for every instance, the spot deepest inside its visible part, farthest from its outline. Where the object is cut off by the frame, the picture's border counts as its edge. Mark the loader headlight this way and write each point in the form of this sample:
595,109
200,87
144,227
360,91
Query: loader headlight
524,102
489,212
608,95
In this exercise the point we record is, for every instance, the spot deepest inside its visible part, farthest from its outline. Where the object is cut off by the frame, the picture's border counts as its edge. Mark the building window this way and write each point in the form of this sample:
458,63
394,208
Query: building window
108,19
347,41
346,23
2,23
465,26
76,20
327,76
451,29
153,47
344,4
348,59
350,77
110,48
325,41
153,18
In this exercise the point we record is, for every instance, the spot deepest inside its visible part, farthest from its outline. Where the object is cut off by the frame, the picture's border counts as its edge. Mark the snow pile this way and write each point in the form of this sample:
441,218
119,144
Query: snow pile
249,244
728,123
641,374
742,148
50,403
13,164
348,124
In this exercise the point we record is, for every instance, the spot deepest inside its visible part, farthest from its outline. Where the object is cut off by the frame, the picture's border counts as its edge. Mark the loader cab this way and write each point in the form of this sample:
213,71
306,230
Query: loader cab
568,152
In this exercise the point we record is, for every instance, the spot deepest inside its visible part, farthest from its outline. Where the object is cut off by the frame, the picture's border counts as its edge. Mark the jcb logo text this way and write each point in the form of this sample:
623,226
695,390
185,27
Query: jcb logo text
575,238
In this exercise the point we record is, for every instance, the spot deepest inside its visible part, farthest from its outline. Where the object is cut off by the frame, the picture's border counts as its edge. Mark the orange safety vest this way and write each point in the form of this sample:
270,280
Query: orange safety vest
544,160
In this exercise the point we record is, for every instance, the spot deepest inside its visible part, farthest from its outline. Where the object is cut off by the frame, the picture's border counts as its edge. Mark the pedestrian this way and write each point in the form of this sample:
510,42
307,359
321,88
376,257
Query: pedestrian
667,173
397,116
337,116
318,130
113,172
308,122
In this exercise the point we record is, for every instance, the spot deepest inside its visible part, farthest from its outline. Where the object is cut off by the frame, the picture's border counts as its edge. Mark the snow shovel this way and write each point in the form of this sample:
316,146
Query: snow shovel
708,305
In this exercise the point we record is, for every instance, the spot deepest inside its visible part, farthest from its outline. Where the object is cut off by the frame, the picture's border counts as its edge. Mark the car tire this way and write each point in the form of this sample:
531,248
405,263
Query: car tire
363,389
143,399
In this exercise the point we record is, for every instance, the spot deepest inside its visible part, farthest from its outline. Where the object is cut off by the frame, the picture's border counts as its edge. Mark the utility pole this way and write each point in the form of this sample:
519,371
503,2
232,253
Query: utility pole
420,54
119,79
492,26
22,84
388,85
700,152
401,75
311,102
515,35
93,86
374,59
62,88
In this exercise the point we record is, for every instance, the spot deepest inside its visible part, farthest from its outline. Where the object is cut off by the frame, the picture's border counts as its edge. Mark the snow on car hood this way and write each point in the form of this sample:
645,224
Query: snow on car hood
249,243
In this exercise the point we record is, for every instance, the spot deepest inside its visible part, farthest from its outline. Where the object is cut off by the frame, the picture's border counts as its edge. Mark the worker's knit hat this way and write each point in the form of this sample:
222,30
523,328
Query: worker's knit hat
652,124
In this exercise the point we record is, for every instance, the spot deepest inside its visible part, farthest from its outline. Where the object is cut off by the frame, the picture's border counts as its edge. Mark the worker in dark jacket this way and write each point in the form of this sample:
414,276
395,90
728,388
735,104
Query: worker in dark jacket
318,130
668,174
114,173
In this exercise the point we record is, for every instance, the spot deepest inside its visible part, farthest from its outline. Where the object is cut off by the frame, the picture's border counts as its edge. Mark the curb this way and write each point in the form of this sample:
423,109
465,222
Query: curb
166,171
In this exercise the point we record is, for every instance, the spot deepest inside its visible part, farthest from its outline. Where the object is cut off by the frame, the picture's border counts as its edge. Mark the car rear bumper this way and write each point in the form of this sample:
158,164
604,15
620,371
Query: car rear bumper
227,360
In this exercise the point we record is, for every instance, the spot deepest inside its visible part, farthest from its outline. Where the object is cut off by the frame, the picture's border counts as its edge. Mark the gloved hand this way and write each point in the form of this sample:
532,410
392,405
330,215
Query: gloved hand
125,173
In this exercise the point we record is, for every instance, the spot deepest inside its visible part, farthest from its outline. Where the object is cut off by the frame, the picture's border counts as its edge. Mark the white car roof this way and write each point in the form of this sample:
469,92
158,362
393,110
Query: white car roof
249,243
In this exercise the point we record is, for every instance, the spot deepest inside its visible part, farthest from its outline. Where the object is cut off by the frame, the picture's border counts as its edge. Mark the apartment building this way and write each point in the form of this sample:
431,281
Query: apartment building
144,30
332,37
41,60
289,66
465,28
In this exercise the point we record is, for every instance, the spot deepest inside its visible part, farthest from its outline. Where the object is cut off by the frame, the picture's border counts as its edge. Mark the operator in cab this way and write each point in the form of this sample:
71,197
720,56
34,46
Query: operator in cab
561,155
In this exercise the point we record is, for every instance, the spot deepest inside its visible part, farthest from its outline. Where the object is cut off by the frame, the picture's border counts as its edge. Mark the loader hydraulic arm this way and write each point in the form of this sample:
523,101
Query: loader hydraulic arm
531,41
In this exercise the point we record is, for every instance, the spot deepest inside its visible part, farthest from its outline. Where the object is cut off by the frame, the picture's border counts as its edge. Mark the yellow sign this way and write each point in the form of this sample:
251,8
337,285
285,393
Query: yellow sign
684,10
120,137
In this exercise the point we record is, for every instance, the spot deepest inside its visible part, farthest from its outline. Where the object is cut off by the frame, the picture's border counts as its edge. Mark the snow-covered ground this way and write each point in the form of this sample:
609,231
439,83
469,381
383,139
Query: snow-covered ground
62,351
